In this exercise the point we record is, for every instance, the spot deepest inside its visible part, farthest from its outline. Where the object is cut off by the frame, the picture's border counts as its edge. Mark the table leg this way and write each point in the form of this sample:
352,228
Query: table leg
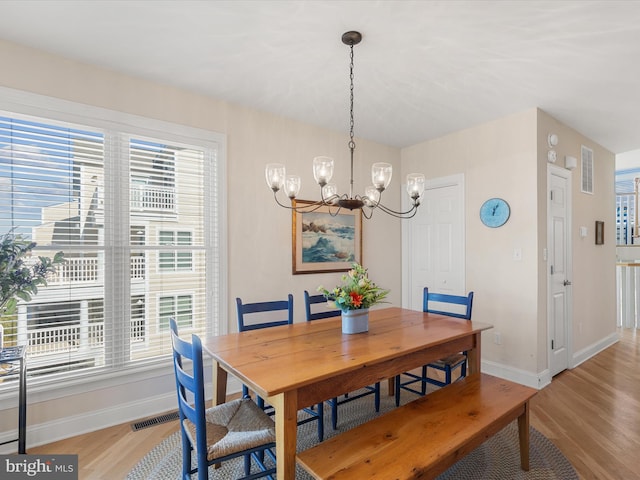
219,379
286,407
473,355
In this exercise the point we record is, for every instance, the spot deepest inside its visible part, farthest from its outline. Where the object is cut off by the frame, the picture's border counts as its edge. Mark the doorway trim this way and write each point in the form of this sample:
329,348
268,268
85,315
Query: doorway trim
566,175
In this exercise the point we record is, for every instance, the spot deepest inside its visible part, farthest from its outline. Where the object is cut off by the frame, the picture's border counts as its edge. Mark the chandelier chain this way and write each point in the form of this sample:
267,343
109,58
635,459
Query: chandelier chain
352,144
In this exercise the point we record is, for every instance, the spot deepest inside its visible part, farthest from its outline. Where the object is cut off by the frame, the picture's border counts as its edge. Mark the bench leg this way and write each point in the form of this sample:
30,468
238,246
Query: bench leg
523,433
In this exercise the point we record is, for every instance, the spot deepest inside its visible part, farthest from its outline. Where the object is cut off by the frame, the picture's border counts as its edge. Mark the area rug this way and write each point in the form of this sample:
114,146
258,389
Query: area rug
496,459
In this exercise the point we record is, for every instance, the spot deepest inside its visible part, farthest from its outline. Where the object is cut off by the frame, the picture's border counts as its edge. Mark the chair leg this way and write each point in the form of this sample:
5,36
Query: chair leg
376,396
397,390
334,413
186,457
247,464
423,386
447,375
203,466
320,422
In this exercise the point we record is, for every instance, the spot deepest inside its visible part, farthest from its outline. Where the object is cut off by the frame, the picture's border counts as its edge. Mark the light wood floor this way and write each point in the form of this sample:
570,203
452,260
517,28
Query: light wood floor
592,413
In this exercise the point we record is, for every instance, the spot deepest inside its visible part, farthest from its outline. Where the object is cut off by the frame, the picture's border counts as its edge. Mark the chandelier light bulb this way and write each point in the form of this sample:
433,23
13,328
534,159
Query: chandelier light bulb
322,170
415,185
330,192
381,175
292,185
373,196
275,174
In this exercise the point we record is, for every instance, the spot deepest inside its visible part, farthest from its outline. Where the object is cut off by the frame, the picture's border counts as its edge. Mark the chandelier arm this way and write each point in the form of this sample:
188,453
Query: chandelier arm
308,208
364,213
406,214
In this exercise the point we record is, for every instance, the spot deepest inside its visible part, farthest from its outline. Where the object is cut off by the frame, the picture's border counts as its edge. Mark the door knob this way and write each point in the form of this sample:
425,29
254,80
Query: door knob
567,282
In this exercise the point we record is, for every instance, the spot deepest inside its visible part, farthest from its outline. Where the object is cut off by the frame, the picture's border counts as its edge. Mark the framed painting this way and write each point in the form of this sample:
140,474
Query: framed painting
324,241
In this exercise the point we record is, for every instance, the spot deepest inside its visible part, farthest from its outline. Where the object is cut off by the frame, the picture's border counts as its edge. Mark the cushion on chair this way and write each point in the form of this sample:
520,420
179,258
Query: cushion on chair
234,426
450,360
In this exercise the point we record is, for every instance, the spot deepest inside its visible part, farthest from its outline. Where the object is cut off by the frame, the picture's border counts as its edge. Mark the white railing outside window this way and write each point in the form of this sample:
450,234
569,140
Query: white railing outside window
150,199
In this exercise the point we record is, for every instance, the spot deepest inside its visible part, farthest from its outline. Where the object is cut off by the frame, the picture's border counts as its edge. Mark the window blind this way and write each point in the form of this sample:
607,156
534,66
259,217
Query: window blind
136,217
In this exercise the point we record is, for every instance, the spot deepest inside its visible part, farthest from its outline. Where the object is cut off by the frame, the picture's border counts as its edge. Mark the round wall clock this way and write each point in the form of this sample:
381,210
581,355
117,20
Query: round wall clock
494,212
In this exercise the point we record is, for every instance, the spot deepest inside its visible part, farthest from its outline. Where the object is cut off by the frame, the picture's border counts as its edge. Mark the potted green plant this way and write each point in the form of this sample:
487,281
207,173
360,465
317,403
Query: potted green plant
354,297
19,278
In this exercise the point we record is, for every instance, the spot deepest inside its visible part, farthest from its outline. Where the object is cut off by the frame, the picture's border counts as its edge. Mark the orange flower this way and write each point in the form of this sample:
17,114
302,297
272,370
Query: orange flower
356,299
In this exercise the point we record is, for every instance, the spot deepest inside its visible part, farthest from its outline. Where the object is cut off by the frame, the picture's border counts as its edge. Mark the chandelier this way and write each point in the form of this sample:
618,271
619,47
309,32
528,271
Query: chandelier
277,179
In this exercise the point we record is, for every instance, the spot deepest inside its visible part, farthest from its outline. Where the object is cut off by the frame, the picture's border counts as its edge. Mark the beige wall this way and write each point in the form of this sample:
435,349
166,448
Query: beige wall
498,159
594,283
259,232
507,158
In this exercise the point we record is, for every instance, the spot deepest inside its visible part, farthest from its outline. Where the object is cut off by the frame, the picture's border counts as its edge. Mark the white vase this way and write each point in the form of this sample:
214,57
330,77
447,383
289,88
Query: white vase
355,321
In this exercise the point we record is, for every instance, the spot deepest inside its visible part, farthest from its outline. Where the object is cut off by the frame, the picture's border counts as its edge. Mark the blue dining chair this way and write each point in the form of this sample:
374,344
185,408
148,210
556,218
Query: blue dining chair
458,306
317,314
238,428
258,315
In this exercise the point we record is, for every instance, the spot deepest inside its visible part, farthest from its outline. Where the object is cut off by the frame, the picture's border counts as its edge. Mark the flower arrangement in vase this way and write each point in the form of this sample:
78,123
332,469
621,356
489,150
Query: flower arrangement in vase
354,297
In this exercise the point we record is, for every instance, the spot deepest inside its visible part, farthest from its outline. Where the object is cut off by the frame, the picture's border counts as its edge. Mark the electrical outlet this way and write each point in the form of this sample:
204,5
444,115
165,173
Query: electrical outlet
497,338
517,254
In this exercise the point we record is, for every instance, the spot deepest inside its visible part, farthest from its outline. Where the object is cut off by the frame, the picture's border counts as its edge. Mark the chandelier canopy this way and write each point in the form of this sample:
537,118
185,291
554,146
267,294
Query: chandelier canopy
277,179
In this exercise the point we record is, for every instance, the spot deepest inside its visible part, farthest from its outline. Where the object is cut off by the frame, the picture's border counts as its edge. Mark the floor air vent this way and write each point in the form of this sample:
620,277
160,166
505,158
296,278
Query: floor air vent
150,422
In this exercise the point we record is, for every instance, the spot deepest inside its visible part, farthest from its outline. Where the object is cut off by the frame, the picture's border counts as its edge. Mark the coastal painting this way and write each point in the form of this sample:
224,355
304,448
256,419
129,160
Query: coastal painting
325,240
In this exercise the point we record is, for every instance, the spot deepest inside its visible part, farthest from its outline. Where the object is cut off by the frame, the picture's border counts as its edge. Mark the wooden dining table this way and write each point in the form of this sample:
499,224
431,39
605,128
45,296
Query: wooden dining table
295,366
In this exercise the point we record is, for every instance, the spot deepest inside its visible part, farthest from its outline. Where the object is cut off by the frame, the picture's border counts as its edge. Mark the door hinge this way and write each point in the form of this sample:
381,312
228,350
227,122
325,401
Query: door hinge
551,344
551,194
551,269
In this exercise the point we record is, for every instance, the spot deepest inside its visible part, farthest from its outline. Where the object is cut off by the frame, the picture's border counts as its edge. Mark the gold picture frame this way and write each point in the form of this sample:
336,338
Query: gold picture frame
325,240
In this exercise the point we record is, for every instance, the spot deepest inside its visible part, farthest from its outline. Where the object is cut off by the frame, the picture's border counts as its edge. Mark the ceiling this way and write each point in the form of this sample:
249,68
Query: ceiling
423,69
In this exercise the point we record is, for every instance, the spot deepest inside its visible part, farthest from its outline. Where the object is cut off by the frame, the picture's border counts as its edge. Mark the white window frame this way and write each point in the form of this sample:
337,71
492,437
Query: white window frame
26,103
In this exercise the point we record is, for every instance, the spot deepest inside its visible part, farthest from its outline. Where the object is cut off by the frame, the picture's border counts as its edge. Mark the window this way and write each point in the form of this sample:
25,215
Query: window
134,208
175,260
179,307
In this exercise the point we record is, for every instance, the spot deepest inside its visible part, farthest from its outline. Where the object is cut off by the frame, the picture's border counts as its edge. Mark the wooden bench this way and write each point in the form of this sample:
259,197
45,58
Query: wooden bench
426,436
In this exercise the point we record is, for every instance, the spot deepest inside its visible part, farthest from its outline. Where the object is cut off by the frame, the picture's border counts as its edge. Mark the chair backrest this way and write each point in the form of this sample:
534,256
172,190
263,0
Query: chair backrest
452,300
190,383
252,316
310,300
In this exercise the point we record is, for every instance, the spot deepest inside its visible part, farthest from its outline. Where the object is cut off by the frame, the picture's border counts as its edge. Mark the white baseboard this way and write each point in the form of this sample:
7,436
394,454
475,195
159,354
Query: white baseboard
71,426
533,380
593,349
542,379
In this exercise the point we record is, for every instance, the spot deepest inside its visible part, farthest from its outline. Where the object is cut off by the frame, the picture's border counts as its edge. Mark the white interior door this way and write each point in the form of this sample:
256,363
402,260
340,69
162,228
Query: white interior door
559,267
433,247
